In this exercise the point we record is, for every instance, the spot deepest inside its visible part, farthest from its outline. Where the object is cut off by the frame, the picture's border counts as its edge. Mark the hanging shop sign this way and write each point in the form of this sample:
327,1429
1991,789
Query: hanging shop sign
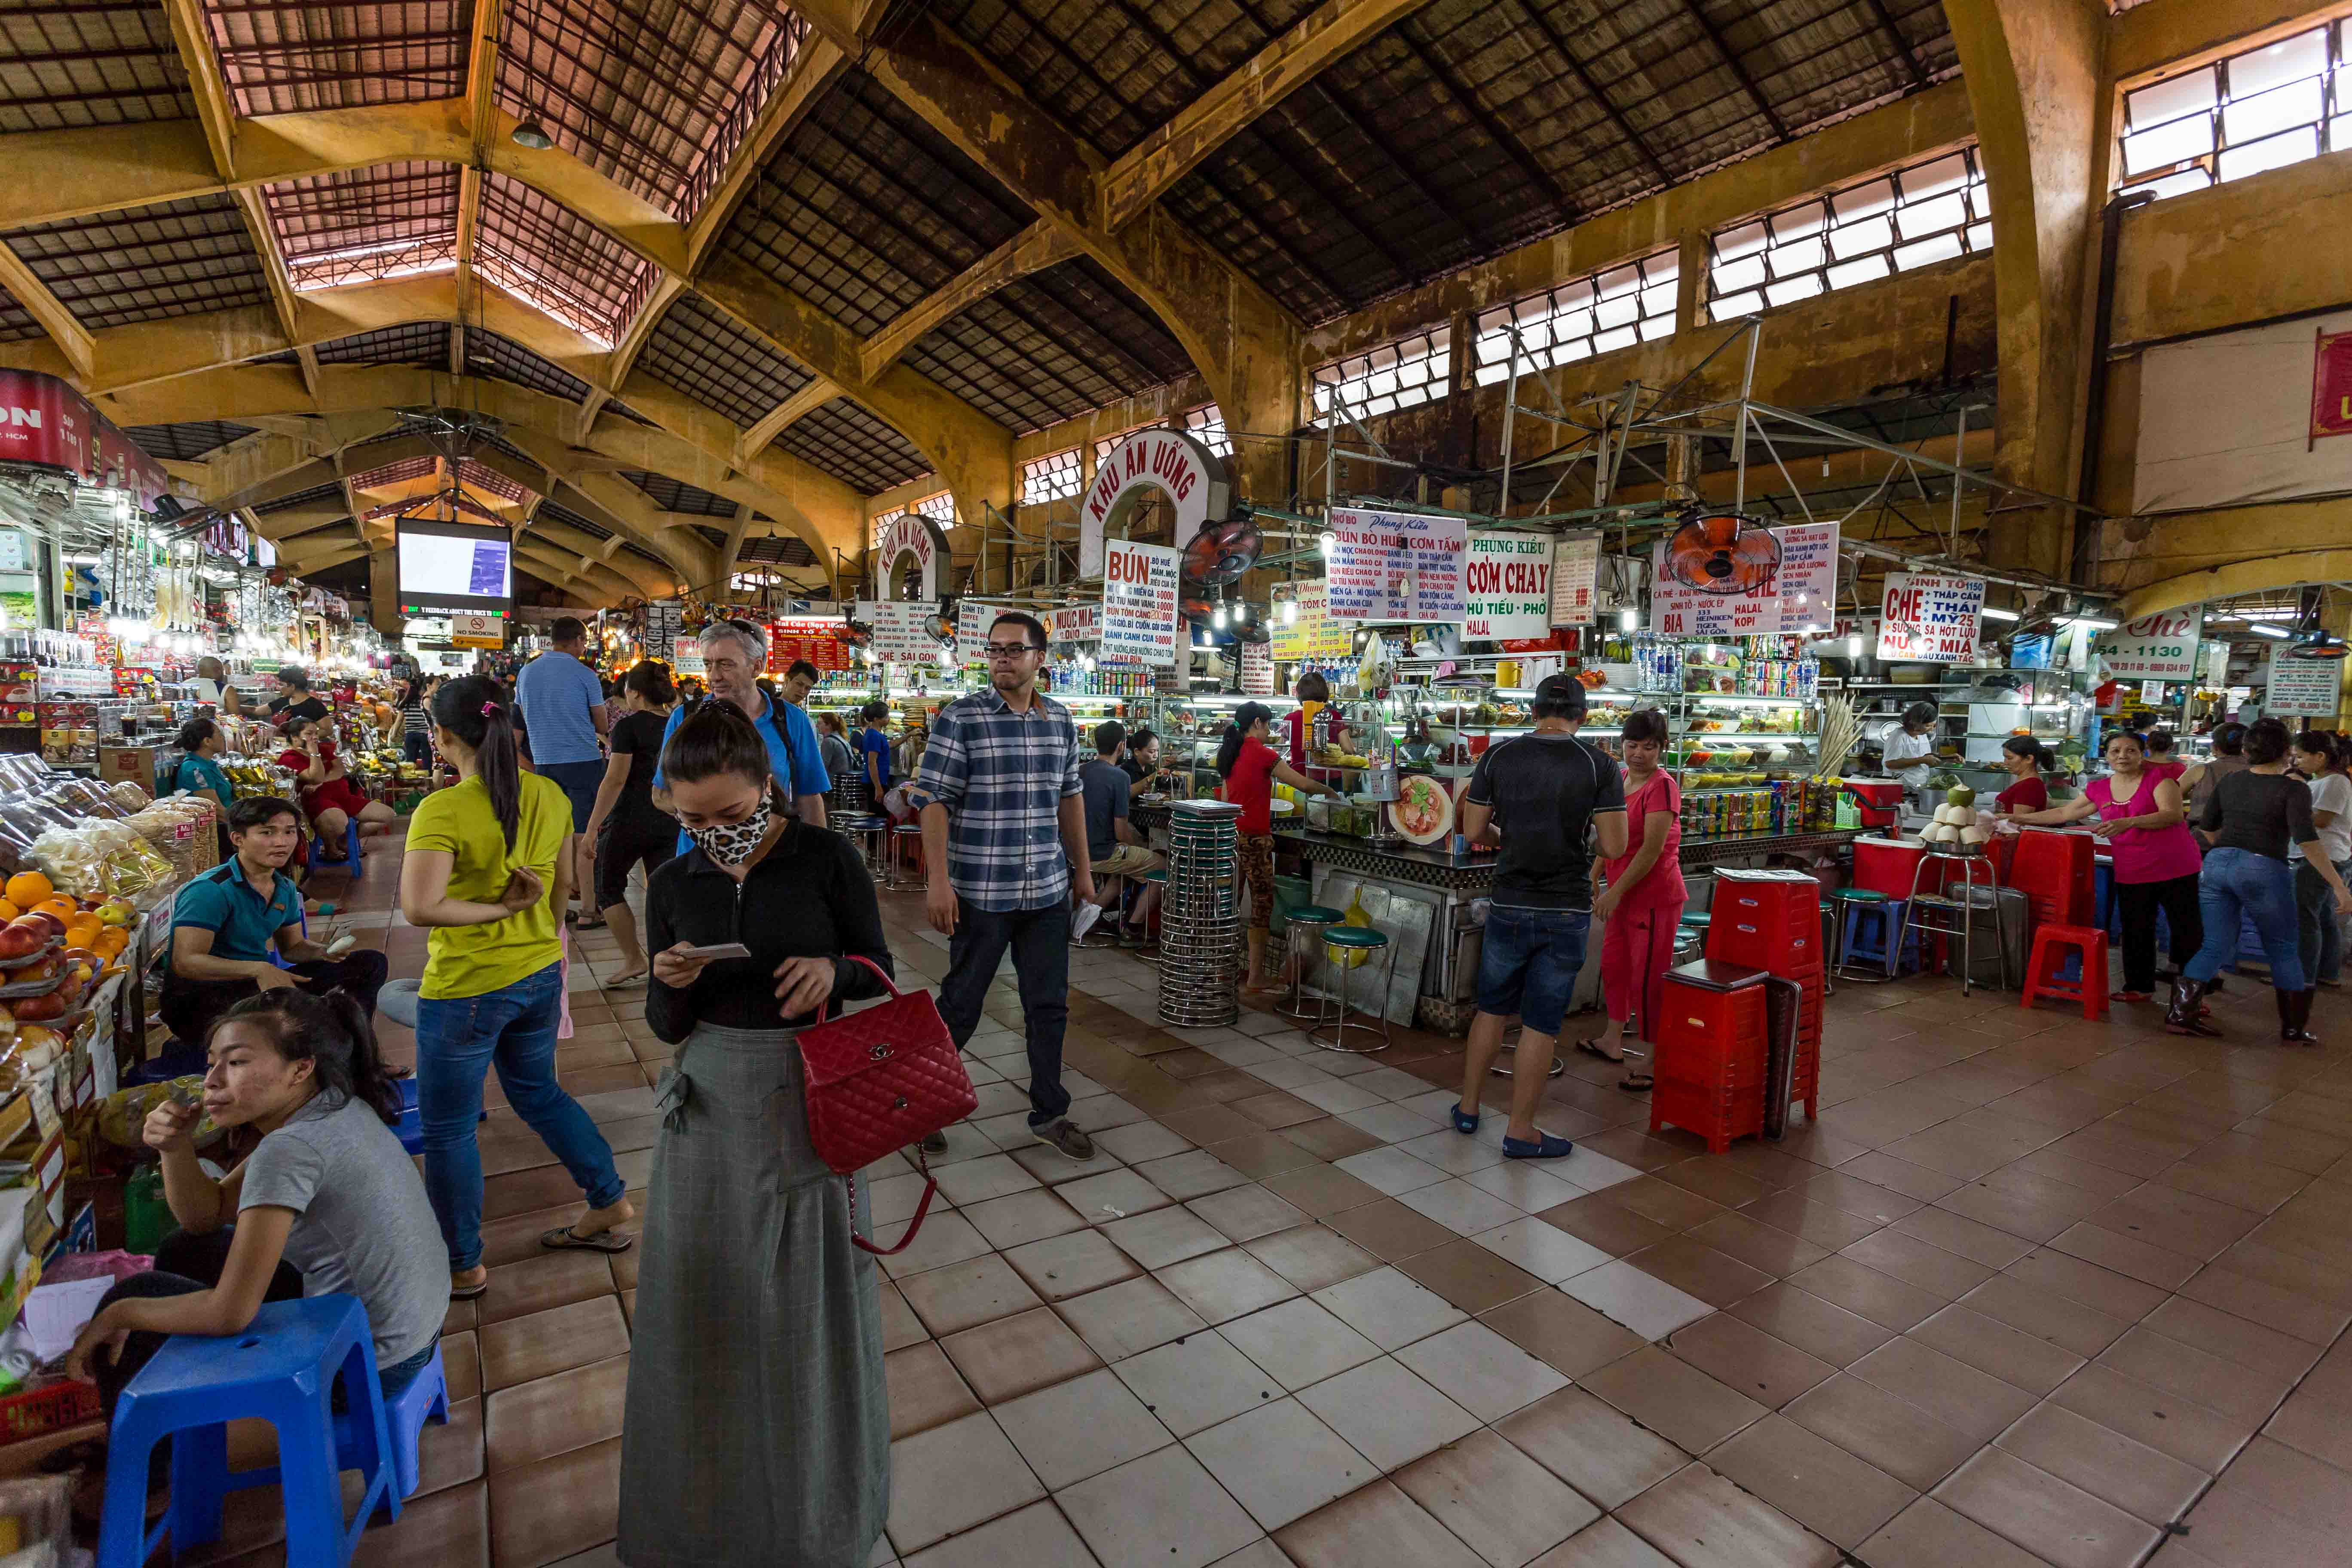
1575,575
2310,688
2331,386
1930,617
1679,610
2154,648
902,630
1506,584
1314,635
46,423
913,554
1140,597
816,638
1074,623
478,632
1808,570
1397,567
1192,477
973,618
1258,669
664,620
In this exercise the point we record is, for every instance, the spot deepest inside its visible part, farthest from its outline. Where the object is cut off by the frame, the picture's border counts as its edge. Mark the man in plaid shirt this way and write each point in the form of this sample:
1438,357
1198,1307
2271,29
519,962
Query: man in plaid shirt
1005,839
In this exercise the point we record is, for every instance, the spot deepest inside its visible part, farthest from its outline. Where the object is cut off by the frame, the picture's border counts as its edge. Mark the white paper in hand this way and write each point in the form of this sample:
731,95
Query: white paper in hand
53,1314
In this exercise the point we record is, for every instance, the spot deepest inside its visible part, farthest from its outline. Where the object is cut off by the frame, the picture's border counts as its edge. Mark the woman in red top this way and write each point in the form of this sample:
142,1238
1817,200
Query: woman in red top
328,797
1250,767
1644,901
2023,758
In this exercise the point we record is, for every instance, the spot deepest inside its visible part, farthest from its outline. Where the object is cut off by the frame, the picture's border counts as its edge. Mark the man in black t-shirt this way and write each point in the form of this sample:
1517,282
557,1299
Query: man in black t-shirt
1536,795
295,698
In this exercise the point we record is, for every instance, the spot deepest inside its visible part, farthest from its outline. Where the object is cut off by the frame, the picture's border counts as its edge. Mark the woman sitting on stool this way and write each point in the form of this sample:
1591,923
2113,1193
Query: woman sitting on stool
328,1203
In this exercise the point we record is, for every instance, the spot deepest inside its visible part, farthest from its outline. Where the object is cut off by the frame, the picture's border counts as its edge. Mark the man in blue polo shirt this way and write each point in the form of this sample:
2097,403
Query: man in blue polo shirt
226,921
562,705
734,654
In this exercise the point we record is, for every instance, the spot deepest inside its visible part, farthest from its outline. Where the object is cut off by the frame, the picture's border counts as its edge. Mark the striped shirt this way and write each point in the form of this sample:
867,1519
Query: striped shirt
1003,776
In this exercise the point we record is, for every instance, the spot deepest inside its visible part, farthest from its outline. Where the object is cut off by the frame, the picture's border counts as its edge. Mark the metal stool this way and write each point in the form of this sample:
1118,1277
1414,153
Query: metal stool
1149,952
1348,948
873,837
1312,918
907,835
1939,914
1840,908
1510,1046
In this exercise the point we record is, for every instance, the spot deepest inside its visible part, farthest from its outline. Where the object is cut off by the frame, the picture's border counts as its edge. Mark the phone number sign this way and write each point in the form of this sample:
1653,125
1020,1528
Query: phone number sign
2154,648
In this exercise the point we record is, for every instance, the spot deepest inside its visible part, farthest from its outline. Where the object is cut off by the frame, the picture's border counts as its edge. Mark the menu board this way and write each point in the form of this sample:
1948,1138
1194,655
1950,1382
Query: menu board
973,618
1138,612
1809,571
811,638
1929,618
1679,610
2307,687
1397,567
1314,635
2161,646
1258,669
1575,572
902,630
1506,584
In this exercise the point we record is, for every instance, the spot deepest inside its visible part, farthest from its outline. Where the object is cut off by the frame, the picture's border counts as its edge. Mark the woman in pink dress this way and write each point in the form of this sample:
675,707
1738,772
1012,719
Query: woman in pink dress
2138,812
1643,904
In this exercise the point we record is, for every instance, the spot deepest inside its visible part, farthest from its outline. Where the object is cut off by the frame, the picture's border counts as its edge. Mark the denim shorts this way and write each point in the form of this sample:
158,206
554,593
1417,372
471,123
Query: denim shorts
1529,962
578,781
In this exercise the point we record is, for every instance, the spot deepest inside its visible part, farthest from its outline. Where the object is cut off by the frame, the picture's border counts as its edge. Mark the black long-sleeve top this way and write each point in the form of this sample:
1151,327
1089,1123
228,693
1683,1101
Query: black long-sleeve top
810,896
2260,813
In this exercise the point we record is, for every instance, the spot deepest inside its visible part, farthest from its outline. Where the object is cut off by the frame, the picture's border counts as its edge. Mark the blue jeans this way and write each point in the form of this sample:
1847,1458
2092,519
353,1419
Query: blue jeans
2319,943
1527,964
456,1040
2238,882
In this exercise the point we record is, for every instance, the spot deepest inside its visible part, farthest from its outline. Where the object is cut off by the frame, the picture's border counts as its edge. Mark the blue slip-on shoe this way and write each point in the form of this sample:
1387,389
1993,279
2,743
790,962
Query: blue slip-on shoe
1463,1123
1546,1147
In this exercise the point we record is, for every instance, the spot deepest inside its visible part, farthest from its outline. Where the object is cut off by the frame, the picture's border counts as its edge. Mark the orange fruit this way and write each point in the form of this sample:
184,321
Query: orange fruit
112,941
8,911
63,908
83,934
27,888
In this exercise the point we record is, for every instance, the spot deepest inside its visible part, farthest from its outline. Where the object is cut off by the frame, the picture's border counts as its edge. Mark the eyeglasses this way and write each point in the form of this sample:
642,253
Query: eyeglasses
1011,649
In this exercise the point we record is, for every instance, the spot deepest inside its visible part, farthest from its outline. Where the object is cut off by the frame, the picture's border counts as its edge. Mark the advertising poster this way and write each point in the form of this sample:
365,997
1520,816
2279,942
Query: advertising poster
1929,618
2304,686
1397,567
1139,601
1679,610
2154,647
1506,585
1314,636
1575,573
1809,572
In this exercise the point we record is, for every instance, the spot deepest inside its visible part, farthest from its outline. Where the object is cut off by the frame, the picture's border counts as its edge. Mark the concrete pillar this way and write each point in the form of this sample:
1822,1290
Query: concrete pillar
384,595
2036,79
1690,281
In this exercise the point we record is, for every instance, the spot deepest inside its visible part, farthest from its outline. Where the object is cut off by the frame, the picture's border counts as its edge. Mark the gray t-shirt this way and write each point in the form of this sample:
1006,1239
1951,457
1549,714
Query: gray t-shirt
1106,787
362,1225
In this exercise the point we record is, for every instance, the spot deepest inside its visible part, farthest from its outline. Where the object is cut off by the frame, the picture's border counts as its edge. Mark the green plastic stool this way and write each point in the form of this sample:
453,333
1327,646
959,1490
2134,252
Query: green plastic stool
1309,919
1339,943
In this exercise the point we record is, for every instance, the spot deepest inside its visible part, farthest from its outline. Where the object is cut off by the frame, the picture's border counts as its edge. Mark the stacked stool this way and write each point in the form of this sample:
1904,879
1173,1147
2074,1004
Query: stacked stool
1708,1074
1771,921
1200,922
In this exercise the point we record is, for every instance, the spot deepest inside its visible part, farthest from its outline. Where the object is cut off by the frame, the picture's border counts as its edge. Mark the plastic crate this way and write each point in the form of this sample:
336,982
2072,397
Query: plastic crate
50,1409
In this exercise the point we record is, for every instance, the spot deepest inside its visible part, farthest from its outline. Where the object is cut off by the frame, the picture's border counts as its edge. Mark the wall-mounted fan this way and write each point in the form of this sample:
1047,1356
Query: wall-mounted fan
854,633
1722,553
1221,552
2318,644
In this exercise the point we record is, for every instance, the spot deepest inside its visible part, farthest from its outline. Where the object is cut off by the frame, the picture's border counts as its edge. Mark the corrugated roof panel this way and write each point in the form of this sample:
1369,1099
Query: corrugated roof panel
774,549
701,352
188,441
865,209
16,323
70,62
853,446
284,55
675,495
503,359
553,259
491,481
425,343
1050,347
650,91
173,259
361,225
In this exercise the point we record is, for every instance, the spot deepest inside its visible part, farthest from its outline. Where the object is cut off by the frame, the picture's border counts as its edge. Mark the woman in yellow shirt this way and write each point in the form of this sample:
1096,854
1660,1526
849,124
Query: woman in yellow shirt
485,872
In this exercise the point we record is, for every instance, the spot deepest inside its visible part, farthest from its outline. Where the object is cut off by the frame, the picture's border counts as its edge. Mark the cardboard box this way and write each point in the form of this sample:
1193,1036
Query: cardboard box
136,763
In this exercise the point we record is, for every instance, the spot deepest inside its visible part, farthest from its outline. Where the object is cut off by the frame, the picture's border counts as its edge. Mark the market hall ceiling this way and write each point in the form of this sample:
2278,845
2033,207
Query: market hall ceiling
1451,132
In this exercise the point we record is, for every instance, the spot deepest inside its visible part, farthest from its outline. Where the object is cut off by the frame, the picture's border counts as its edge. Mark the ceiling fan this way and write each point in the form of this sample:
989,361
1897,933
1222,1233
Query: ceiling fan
1722,553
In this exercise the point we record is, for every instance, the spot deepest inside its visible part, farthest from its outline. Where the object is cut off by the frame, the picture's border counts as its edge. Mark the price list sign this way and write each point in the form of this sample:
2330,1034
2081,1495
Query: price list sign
2161,646
1575,572
1808,583
1139,601
901,630
1679,610
1507,585
1397,567
1929,618
1313,636
814,639
2305,687
1258,669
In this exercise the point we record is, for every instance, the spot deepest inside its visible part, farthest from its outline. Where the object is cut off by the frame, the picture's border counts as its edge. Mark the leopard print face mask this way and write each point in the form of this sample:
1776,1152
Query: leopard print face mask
731,843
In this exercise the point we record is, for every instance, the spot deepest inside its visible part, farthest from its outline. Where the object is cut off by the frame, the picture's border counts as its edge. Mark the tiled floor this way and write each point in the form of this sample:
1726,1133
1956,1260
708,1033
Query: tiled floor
2035,1291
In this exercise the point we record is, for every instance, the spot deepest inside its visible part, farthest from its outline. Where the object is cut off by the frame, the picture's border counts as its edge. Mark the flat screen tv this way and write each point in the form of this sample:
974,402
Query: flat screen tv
454,566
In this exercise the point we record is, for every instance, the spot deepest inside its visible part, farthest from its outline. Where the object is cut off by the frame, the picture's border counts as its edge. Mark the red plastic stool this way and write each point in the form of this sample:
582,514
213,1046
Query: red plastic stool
2051,946
1707,1076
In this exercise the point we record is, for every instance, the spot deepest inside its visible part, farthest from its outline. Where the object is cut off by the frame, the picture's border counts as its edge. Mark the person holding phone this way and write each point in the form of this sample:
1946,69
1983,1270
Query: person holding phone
485,874
748,1263
328,797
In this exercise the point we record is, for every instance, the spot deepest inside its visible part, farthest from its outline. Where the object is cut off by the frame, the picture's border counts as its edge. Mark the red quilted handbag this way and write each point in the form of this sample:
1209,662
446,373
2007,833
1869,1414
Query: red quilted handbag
880,1079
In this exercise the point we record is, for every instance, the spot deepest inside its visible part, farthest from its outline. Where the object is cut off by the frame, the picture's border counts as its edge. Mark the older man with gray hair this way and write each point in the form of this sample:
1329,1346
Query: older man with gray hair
734,652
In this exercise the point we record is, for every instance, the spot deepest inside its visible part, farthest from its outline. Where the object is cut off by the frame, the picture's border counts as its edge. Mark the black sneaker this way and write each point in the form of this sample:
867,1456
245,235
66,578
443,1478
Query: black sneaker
1066,1136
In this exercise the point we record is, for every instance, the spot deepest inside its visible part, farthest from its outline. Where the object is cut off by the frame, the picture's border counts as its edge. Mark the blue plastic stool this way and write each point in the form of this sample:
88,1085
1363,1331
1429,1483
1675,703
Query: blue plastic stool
426,1398
282,1370
1885,922
352,860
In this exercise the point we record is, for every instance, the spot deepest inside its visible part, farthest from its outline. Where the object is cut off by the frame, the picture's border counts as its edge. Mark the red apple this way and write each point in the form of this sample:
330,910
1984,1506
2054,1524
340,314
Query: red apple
19,941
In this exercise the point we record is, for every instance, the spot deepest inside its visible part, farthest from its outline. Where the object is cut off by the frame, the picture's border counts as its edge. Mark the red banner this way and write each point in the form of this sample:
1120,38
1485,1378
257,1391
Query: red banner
814,638
42,421
2331,386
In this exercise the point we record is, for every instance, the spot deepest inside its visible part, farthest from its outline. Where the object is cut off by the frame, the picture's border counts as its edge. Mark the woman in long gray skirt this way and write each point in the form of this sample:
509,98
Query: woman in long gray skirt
758,1428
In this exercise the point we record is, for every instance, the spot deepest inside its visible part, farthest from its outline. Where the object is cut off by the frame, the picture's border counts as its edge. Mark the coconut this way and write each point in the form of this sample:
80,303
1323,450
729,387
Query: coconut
1960,794
1975,835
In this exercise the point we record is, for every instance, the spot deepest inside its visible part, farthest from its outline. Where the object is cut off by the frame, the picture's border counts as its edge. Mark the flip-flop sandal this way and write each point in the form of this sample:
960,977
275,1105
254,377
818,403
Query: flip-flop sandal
469,1292
625,981
1589,1049
597,924
1637,1083
562,1240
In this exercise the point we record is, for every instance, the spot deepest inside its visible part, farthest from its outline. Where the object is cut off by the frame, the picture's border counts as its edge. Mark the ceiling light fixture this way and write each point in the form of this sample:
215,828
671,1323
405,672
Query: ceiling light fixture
531,133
